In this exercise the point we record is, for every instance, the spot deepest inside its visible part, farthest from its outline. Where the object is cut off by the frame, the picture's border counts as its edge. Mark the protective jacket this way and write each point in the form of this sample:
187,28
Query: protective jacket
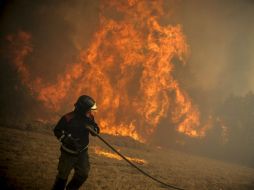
72,131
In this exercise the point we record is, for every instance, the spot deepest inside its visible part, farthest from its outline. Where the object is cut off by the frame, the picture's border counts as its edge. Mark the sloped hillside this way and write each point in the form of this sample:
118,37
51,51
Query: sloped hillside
29,160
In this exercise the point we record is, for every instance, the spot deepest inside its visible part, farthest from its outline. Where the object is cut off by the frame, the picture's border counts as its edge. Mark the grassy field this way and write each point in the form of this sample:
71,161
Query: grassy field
29,160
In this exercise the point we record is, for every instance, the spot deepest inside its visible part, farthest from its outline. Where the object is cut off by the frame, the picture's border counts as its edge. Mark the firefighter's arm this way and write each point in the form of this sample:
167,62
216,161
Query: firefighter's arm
64,136
60,129
94,128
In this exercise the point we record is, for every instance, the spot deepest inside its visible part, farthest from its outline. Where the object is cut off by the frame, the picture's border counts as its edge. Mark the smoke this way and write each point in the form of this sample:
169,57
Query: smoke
221,37
57,29
221,65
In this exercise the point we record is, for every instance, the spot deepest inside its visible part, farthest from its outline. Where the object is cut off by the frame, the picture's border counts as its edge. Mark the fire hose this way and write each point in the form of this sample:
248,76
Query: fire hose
132,164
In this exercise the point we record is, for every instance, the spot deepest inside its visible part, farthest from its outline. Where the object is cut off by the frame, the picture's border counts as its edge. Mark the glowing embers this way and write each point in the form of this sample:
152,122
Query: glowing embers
99,151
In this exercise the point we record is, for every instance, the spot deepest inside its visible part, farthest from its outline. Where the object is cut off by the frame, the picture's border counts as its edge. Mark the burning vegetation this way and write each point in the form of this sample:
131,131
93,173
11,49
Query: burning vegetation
99,151
127,67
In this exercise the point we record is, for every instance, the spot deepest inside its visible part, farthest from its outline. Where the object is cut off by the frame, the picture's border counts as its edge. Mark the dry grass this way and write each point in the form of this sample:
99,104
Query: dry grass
29,160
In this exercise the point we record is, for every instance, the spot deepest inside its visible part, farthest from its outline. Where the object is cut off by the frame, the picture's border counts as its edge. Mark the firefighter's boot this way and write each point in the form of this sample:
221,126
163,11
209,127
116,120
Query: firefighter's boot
76,182
59,184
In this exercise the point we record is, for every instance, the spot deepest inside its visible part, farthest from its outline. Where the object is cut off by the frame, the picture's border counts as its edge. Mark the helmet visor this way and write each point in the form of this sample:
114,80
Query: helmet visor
94,107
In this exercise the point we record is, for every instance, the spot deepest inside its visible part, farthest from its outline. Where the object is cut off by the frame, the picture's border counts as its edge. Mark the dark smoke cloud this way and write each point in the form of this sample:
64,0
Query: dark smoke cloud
58,29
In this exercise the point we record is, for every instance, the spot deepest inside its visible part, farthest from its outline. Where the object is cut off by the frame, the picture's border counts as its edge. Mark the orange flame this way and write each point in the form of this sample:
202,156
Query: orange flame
107,154
127,68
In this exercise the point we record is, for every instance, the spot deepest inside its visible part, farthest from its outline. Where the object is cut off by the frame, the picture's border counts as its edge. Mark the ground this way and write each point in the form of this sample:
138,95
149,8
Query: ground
29,159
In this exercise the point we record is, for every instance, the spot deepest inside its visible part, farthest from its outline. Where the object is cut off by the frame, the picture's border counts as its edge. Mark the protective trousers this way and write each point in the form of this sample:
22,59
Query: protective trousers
67,162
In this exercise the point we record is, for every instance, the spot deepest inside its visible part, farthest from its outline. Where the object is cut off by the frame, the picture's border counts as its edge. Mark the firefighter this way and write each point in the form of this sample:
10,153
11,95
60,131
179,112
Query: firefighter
72,131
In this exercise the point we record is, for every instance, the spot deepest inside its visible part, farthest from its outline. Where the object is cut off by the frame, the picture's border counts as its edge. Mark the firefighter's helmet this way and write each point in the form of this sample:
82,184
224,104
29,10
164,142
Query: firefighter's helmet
85,103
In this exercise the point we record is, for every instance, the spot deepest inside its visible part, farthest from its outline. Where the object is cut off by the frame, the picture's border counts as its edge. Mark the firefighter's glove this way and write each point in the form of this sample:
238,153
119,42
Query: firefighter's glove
71,142
95,128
